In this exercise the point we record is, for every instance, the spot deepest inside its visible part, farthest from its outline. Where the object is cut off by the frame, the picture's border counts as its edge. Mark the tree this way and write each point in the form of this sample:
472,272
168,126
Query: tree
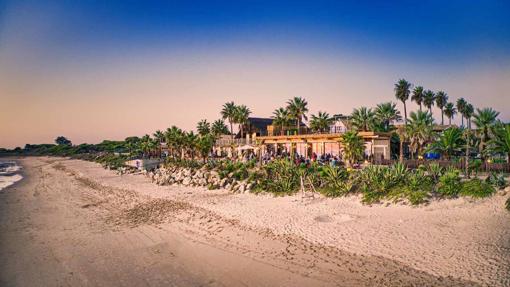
219,128
321,122
203,127
441,101
190,141
448,143
419,130
417,96
298,107
281,119
204,145
387,113
228,112
402,91
500,143
363,119
484,120
461,106
241,115
353,147
428,100
450,111
174,137
62,141
468,114
159,137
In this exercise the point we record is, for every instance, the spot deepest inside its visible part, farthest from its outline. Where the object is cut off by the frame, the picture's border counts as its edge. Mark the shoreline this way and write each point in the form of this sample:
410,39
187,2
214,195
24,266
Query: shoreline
318,233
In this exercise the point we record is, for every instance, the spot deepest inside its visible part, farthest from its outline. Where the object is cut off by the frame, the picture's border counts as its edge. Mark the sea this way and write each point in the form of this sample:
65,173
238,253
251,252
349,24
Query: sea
10,173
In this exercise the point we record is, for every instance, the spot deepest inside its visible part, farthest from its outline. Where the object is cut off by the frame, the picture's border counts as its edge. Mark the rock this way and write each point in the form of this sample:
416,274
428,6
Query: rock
186,181
242,188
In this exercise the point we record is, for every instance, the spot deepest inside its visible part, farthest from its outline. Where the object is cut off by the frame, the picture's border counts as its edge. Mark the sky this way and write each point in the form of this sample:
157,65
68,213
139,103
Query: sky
94,70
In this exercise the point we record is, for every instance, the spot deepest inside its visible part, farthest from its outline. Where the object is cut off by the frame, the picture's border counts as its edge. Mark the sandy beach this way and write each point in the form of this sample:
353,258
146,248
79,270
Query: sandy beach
73,223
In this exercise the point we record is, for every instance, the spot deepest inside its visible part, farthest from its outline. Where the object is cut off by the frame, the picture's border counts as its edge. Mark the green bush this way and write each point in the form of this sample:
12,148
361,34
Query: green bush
449,183
281,177
476,188
497,180
336,181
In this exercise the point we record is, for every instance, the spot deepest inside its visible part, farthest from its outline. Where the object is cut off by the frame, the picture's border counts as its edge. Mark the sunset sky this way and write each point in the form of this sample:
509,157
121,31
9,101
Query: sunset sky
110,69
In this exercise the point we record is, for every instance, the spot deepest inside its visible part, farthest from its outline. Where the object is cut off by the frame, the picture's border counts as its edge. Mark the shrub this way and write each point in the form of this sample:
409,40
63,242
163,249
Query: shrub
336,181
281,177
449,183
497,180
476,188
435,171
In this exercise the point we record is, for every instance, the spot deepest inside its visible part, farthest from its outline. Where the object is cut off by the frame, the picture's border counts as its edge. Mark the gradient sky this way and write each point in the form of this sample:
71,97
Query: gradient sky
96,70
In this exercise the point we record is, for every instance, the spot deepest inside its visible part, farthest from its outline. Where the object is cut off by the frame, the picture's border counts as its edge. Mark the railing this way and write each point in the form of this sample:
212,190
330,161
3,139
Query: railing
304,131
230,142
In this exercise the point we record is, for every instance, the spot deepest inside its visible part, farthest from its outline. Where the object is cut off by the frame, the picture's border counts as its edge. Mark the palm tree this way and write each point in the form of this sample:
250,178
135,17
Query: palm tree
449,142
219,128
204,145
419,130
417,96
461,106
402,91
159,136
484,120
298,107
450,111
441,101
174,140
469,110
203,127
363,119
428,100
190,141
241,115
353,147
281,118
228,113
387,113
321,122
500,143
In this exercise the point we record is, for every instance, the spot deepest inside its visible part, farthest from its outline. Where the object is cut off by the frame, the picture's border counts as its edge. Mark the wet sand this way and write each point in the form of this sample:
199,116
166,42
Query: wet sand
72,223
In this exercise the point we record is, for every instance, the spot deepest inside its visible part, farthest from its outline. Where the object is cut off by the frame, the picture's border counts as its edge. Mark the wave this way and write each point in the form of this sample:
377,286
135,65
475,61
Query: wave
9,174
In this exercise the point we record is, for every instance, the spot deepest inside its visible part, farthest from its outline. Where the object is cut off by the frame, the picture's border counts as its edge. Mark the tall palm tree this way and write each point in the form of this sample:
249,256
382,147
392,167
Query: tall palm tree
450,111
449,142
461,106
419,130
321,122
428,100
417,96
174,140
500,143
387,113
441,101
484,120
281,119
468,113
203,127
228,113
353,147
363,119
298,107
241,115
219,128
159,136
402,91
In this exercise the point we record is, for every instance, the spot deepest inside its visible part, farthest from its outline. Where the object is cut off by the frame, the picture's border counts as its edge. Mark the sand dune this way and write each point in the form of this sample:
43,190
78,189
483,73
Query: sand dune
71,222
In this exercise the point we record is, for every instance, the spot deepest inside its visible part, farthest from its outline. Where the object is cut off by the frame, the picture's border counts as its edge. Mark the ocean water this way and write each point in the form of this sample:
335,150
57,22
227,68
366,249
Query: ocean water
10,172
